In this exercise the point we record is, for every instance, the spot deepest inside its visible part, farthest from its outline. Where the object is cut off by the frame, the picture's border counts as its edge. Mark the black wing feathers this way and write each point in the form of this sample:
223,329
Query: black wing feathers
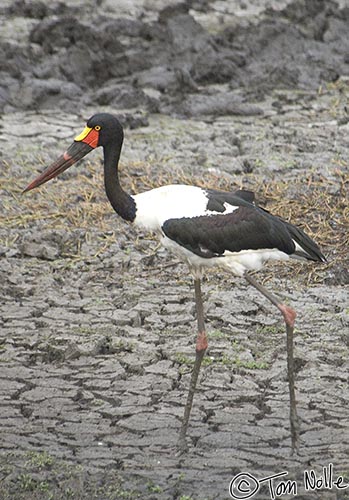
311,249
247,228
217,199
245,195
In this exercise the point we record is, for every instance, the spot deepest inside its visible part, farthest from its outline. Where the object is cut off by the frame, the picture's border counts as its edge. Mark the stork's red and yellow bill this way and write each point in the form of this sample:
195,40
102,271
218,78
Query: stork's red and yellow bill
82,145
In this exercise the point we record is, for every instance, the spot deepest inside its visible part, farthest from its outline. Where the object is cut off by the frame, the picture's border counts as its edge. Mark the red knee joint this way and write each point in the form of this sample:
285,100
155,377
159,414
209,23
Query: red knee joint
201,342
288,313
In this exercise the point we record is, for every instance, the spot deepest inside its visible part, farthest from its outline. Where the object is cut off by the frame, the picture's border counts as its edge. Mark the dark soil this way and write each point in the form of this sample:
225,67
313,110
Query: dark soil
97,324
75,56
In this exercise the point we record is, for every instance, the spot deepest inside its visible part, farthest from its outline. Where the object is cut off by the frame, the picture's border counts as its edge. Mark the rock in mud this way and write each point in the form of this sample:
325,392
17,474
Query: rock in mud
82,58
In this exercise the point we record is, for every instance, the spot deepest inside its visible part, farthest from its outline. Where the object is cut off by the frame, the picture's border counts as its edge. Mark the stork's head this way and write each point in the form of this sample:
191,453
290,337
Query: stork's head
101,129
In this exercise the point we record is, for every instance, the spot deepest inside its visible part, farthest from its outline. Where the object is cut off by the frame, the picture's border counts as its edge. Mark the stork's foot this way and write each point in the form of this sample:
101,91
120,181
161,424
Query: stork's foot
182,446
294,421
295,441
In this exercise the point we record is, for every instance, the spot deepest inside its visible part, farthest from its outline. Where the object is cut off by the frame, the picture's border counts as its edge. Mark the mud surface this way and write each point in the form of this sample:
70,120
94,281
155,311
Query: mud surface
97,323
75,56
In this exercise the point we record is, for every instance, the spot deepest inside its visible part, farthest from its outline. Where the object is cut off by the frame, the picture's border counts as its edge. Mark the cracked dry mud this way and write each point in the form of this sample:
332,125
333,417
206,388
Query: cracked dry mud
97,324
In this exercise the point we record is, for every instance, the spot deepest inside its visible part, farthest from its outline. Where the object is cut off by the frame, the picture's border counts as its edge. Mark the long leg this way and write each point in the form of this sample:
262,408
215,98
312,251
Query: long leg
289,316
201,346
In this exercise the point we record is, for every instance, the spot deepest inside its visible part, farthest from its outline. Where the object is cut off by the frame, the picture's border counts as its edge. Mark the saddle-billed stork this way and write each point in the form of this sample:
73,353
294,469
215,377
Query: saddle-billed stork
205,228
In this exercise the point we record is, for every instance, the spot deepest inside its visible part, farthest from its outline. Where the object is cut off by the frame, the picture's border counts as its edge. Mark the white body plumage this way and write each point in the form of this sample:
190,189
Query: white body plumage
177,201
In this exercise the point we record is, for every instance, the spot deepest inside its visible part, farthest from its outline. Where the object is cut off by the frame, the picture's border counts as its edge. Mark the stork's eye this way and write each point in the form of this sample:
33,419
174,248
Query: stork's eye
97,127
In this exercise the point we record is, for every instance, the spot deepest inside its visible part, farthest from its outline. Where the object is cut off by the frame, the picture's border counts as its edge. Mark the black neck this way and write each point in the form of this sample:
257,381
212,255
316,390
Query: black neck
122,203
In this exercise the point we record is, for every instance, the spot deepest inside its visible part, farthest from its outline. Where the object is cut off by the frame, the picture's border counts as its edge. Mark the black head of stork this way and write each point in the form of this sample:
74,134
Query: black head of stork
102,129
205,227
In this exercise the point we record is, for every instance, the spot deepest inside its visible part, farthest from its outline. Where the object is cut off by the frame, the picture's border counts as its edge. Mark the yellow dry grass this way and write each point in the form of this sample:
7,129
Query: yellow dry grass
312,203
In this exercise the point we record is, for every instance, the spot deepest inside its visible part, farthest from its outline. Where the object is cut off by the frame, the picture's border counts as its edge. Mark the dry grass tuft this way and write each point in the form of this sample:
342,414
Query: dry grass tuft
318,205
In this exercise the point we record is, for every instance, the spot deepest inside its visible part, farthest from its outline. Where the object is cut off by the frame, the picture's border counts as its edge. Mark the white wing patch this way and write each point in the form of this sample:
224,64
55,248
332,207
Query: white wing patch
174,201
228,208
